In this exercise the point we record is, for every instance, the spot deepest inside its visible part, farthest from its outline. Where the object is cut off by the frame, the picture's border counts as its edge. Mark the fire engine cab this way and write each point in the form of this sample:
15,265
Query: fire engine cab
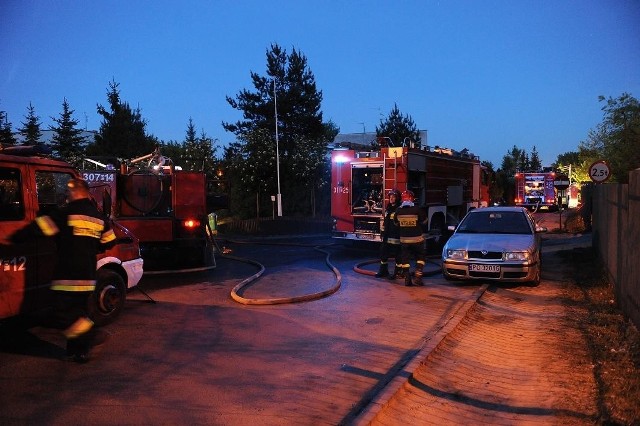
446,184
32,185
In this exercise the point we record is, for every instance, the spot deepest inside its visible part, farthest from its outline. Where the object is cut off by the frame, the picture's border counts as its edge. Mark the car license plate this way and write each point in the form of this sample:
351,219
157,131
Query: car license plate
484,268
366,236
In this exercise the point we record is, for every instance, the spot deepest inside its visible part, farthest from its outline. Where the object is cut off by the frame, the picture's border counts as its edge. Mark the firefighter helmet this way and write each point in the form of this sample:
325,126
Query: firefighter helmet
396,193
407,196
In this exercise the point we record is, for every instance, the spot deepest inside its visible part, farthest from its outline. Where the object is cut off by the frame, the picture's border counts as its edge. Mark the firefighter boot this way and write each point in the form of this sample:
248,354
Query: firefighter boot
383,271
90,345
417,279
396,272
417,276
402,272
407,277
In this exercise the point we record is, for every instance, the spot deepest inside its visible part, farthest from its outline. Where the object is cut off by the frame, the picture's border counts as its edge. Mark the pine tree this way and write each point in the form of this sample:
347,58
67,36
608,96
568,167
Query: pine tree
290,86
534,162
67,141
398,128
30,129
6,134
122,131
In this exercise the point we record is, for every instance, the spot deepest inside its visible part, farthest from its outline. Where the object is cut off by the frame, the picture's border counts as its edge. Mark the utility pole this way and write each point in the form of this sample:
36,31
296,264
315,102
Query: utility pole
275,107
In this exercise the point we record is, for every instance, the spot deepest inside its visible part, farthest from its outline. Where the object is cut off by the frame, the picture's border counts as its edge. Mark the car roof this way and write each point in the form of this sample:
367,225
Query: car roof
499,209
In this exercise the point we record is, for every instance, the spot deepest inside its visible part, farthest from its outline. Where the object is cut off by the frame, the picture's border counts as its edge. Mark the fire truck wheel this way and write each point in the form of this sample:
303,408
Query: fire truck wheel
108,298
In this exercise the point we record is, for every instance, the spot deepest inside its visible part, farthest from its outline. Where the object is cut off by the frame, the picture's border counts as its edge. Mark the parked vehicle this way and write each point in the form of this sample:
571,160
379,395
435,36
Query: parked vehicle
32,185
496,244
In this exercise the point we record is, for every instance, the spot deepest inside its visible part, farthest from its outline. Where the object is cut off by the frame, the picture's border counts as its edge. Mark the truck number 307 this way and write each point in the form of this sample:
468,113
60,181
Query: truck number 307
14,264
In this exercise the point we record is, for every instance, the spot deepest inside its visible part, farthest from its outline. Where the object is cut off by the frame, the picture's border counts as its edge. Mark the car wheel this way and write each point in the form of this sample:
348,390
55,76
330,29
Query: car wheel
536,280
107,300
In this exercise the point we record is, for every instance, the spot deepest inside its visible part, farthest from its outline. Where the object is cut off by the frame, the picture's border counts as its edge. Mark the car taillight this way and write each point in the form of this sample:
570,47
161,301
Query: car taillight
191,223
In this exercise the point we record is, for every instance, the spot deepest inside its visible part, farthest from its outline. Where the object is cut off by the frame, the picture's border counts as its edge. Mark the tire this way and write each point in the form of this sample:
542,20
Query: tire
536,280
107,300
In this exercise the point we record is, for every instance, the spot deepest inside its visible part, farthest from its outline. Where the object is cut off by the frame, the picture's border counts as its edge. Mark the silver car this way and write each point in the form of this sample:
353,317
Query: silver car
494,243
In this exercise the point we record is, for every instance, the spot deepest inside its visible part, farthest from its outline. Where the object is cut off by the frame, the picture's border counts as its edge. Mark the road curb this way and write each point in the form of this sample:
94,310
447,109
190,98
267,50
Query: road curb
386,395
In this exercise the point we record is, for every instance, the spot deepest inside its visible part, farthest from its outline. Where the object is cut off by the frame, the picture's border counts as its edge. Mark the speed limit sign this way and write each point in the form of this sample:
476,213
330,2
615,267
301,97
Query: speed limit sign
599,171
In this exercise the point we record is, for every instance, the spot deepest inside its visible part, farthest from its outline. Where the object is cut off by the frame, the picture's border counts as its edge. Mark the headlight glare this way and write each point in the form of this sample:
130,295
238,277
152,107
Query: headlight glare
517,255
456,254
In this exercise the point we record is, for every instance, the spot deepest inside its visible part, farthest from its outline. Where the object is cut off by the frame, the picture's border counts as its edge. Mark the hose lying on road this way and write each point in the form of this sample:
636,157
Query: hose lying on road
281,300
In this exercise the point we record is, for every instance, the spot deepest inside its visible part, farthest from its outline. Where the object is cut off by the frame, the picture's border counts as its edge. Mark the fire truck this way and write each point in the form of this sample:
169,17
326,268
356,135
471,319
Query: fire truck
535,190
446,183
33,184
164,207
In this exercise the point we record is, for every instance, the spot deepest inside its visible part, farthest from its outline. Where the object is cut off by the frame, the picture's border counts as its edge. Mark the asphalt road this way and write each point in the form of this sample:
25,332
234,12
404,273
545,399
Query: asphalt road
196,356
193,355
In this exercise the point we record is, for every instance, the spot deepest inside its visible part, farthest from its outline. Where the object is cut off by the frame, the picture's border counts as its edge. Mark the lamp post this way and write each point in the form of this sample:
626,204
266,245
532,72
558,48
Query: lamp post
275,107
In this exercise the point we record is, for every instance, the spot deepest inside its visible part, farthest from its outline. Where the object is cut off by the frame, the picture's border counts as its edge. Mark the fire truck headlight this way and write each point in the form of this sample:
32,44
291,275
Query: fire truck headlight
516,255
339,159
191,223
456,254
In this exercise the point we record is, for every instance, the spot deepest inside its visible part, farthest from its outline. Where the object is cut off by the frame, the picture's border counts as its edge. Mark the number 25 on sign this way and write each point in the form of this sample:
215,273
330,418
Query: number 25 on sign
599,171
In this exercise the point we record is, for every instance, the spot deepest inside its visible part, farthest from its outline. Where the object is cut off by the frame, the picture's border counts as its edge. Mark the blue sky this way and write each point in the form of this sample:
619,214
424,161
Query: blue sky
483,75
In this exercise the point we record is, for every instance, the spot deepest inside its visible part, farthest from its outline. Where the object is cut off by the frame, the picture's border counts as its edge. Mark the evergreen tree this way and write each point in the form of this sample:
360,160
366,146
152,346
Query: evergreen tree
290,86
534,162
200,153
6,134
398,128
67,141
30,129
122,131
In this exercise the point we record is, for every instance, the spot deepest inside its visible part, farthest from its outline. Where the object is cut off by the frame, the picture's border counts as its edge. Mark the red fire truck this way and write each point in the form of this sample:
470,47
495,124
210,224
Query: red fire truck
445,182
32,184
535,190
164,207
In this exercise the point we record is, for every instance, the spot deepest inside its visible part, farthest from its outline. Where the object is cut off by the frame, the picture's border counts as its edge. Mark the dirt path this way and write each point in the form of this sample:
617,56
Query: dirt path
516,358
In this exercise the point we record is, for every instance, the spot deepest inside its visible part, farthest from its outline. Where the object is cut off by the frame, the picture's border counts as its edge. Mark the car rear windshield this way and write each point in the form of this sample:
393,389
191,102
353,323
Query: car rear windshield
495,223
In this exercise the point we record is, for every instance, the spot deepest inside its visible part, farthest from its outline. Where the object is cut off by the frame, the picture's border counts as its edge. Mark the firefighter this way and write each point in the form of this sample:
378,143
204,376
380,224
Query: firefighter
410,218
390,246
80,232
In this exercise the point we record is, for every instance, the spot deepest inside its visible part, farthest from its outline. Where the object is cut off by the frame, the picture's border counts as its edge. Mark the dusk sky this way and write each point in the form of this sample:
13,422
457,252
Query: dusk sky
482,75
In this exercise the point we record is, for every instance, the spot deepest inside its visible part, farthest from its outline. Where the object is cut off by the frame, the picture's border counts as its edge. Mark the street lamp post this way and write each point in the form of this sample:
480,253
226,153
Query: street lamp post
275,107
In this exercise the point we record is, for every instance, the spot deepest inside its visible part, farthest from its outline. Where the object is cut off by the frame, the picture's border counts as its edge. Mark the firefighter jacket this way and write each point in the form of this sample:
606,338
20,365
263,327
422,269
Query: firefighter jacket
410,218
81,232
391,233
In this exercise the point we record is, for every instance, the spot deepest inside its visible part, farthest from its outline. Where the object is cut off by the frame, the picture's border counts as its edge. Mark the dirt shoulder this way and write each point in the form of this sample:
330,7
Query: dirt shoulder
613,341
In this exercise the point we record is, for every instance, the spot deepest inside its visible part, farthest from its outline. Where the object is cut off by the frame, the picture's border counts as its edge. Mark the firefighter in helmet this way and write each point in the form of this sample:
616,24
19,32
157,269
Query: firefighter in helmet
409,219
390,235
80,231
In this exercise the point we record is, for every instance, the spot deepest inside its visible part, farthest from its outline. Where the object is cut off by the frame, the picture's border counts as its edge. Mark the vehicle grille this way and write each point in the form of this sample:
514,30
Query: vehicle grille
491,255
478,274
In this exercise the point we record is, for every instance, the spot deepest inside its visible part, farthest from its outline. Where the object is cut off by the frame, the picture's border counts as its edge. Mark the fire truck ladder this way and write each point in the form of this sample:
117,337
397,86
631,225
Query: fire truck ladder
390,172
